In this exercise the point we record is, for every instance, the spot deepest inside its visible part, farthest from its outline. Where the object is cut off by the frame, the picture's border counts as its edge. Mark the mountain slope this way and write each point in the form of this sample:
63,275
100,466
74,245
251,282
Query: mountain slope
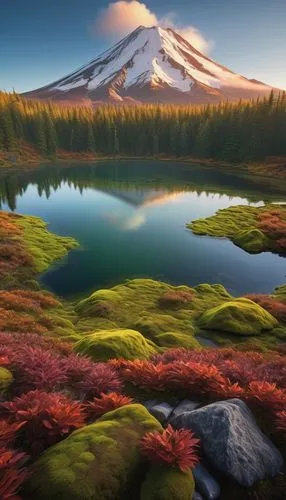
152,64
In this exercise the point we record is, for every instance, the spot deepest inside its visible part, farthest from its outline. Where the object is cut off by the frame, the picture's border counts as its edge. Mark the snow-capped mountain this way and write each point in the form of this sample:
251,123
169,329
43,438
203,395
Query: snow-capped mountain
154,65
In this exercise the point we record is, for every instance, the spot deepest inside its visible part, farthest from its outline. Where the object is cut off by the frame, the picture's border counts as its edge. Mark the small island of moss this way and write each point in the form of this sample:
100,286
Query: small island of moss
255,229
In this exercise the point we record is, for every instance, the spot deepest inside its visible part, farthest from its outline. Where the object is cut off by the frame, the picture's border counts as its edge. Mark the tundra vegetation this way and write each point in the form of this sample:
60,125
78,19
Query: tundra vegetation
76,378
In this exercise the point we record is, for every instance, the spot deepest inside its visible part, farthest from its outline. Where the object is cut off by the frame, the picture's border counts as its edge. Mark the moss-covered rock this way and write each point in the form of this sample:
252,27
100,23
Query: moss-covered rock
240,316
98,462
251,240
108,344
167,483
6,379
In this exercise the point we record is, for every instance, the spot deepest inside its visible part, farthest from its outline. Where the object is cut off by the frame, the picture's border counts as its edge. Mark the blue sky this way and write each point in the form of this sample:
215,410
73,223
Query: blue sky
43,40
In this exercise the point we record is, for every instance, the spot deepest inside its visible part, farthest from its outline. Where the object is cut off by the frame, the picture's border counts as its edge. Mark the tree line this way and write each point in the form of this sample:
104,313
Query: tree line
233,132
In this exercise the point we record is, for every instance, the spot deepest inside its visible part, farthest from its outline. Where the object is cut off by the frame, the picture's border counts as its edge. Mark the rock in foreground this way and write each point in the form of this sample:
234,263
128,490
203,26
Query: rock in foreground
232,441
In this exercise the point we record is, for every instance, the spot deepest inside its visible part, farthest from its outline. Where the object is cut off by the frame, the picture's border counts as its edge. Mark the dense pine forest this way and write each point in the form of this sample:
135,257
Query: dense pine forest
244,131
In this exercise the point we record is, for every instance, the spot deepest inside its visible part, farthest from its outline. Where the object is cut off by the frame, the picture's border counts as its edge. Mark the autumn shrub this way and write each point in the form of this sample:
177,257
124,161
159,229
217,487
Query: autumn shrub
87,379
46,417
14,341
176,448
24,300
105,403
12,321
12,473
37,368
266,395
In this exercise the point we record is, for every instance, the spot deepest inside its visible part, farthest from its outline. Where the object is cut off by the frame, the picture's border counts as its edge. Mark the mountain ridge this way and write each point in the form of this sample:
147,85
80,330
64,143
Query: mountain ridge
152,64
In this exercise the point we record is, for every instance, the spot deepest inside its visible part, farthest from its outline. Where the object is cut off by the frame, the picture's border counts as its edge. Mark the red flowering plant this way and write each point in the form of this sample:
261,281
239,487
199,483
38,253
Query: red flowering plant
46,417
176,448
105,403
12,474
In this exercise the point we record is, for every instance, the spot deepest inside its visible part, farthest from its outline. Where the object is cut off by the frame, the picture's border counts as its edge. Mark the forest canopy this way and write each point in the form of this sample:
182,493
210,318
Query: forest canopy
233,132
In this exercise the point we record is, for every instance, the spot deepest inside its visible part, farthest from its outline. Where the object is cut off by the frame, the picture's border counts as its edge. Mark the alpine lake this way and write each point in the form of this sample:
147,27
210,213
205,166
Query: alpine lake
130,216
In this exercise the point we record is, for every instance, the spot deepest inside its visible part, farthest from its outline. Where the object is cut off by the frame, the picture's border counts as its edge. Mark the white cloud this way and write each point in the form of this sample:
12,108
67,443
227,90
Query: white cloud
122,17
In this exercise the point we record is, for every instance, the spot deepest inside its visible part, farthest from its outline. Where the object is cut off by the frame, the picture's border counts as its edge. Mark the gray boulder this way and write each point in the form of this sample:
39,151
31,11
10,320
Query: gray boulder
206,483
184,406
161,411
232,441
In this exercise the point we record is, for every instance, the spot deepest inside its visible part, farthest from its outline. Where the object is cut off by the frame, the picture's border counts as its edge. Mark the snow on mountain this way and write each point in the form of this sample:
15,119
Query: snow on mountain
152,64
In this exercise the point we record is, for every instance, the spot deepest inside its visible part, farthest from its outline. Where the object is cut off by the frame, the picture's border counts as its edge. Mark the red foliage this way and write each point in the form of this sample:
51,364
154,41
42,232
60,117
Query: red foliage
266,395
86,379
105,403
273,223
27,301
46,417
8,431
177,448
12,475
36,368
272,305
176,299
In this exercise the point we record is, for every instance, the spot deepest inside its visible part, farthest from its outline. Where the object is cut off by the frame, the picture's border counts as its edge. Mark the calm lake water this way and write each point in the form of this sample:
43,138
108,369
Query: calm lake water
129,218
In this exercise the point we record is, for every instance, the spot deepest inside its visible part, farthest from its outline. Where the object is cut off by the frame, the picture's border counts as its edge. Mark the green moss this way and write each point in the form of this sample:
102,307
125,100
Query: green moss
226,222
6,379
240,224
107,344
99,461
280,293
167,483
153,325
44,247
175,339
251,240
240,316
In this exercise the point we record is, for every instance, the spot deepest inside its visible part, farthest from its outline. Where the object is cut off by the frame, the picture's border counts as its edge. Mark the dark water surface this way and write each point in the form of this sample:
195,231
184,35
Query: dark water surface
130,217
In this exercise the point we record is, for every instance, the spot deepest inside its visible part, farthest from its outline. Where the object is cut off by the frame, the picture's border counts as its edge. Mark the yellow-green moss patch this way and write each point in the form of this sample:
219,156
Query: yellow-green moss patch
108,344
241,316
167,483
100,461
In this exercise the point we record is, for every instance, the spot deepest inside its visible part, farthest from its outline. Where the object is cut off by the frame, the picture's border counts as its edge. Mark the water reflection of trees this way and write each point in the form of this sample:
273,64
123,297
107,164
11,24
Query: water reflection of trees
115,178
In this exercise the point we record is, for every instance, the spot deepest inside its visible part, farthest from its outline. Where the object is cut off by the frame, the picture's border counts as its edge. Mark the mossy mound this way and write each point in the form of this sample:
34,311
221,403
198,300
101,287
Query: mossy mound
252,240
92,305
174,339
137,305
255,229
241,316
108,344
167,483
155,324
100,461
43,246
6,379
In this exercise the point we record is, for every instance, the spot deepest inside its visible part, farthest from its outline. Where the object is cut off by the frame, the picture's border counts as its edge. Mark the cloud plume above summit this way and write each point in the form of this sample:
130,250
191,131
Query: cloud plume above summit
121,17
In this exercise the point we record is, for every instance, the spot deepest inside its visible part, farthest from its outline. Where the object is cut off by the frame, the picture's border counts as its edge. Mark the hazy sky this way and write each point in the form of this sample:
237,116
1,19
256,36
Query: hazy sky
43,40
